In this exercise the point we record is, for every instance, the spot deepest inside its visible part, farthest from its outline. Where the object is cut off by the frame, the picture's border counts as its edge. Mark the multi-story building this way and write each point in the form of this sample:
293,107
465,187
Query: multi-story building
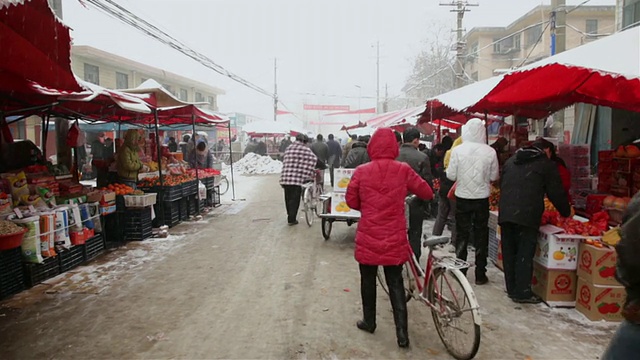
116,72
492,50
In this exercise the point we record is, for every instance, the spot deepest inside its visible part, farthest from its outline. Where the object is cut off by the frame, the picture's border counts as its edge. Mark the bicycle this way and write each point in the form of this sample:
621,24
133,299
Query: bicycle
446,309
311,192
223,184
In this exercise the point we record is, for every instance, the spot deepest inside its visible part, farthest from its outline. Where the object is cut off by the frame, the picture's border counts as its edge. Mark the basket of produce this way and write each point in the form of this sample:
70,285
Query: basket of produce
139,199
10,235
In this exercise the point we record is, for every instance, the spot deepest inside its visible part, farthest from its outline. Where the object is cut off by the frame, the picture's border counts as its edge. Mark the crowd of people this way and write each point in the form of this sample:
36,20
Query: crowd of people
390,166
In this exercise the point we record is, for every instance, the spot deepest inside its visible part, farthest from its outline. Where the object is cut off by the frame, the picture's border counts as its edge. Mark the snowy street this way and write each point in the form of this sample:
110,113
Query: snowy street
242,284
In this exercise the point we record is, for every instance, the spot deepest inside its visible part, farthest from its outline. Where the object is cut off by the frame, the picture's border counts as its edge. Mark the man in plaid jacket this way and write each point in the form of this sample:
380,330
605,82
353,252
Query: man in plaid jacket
298,167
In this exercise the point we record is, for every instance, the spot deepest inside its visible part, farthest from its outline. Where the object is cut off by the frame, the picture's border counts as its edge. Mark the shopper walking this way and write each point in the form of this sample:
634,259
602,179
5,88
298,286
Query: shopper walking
358,154
446,206
527,177
335,155
378,191
320,149
298,166
624,344
473,166
419,162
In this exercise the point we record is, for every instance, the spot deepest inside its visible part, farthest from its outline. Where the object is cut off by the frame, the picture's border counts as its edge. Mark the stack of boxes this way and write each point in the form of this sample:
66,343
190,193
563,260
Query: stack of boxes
578,160
339,205
555,265
605,171
624,171
599,295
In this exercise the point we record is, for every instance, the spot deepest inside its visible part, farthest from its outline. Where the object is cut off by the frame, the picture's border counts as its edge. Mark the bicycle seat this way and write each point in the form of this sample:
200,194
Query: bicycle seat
435,240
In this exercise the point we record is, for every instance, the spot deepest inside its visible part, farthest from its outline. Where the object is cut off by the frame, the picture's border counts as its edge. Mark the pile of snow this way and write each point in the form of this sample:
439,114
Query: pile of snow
256,164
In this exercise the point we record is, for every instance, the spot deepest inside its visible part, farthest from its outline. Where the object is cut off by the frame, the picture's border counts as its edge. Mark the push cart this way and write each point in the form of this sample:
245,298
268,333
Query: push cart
324,212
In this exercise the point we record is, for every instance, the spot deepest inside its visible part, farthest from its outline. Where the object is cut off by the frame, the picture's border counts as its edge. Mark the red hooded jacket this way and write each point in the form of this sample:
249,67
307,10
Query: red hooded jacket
378,190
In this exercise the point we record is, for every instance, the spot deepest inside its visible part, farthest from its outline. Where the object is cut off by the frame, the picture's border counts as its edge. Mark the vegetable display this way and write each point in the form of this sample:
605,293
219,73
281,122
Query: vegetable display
597,226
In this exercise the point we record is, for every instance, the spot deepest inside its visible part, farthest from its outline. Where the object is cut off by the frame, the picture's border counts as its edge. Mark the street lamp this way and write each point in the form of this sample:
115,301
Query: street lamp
359,100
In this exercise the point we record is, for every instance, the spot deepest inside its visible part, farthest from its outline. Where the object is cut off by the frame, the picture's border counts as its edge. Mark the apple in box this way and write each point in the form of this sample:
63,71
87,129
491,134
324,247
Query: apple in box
600,302
597,264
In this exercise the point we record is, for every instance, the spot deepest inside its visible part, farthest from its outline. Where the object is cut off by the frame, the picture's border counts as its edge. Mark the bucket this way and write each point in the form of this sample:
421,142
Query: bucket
31,250
47,234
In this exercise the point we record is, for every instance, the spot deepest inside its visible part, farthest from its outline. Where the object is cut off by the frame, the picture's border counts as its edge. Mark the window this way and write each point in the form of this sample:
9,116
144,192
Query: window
591,26
516,41
212,102
503,46
472,54
631,13
184,95
532,35
92,74
122,80
496,45
199,97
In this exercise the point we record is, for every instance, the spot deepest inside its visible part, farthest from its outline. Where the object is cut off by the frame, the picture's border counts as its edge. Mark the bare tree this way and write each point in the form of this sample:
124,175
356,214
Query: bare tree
433,72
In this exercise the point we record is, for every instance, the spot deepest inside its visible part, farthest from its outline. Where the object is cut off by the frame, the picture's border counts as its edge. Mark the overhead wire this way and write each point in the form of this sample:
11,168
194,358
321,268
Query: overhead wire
535,44
112,9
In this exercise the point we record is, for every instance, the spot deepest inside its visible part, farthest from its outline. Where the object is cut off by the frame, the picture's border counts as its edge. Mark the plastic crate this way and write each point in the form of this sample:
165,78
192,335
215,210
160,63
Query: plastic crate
137,224
11,272
190,188
71,258
184,209
34,274
208,182
169,211
625,165
215,199
93,248
120,206
140,201
165,193
580,171
193,205
581,183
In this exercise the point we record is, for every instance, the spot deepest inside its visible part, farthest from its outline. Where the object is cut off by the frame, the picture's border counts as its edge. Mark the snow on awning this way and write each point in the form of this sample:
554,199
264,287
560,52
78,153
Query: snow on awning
35,44
266,128
386,119
604,72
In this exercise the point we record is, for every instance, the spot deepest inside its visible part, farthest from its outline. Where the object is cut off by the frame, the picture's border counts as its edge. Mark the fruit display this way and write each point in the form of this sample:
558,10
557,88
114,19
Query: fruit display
494,198
168,180
629,151
204,173
119,189
618,203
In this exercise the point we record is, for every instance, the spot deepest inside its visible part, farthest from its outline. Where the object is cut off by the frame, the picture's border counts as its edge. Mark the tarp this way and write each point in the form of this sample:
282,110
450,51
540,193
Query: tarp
159,96
386,119
266,128
360,124
604,72
354,112
35,44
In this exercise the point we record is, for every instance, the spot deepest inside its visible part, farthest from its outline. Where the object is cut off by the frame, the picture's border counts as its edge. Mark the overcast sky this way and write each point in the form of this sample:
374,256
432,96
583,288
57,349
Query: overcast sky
323,47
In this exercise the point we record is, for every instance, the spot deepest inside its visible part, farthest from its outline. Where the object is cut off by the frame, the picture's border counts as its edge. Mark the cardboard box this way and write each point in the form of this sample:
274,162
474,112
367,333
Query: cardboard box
556,251
339,206
600,302
597,265
342,177
557,288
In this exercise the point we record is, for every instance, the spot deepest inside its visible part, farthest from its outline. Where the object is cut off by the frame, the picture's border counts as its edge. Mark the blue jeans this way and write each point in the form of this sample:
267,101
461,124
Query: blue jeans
624,344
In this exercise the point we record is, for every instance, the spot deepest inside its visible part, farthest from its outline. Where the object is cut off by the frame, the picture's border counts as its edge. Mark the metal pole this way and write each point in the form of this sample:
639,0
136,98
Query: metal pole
233,186
156,123
275,91
193,125
377,75
45,133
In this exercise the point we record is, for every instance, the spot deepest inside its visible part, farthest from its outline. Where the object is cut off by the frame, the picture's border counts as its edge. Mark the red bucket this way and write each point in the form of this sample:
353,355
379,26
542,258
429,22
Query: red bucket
12,241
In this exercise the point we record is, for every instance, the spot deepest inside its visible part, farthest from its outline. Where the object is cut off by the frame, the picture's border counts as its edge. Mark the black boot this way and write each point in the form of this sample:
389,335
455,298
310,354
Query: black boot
399,304
368,293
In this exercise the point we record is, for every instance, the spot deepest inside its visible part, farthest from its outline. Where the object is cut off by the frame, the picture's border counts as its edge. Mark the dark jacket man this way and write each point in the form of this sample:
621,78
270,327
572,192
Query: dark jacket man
335,152
320,149
357,155
526,178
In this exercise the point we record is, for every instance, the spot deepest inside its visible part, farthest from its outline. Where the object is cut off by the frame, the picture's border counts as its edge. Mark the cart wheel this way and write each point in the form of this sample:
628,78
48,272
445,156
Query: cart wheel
326,228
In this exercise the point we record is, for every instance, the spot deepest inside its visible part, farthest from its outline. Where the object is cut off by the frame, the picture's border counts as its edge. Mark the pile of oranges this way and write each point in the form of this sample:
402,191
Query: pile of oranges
119,189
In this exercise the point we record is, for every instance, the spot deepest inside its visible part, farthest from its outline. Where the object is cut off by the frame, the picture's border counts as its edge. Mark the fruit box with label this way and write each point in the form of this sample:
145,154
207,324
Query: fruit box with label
600,302
556,250
339,206
597,265
342,177
557,288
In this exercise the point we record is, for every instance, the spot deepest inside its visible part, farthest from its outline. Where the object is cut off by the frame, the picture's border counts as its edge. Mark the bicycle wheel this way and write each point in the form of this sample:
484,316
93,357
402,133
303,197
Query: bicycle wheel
223,186
326,228
455,312
308,211
407,279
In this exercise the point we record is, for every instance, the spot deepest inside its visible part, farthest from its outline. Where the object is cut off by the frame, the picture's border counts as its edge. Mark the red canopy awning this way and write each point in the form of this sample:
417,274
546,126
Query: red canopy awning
354,112
389,118
35,44
352,127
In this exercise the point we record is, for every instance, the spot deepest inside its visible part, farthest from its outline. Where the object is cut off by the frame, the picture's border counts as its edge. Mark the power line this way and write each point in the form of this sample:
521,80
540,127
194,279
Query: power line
534,45
112,9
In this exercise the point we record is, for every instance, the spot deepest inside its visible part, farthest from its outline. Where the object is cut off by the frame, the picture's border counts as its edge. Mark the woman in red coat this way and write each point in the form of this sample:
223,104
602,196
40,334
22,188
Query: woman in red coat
378,190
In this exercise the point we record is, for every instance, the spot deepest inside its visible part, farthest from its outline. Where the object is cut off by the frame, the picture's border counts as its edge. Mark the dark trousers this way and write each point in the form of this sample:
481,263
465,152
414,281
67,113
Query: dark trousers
624,344
416,218
292,195
518,248
473,215
397,295
331,173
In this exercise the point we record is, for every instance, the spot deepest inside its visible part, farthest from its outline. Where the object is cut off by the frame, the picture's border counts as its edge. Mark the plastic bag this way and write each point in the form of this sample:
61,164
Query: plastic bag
62,227
452,192
32,200
202,191
19,187
46,195
31,249
47,234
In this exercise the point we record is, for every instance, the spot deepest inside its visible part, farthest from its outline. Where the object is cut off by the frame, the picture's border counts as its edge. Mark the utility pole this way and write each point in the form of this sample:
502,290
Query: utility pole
377,75
460,9
275,89
385,105
558,44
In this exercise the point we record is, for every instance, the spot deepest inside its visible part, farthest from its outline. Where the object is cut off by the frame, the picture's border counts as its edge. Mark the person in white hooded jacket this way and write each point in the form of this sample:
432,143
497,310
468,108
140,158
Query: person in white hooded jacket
473,166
